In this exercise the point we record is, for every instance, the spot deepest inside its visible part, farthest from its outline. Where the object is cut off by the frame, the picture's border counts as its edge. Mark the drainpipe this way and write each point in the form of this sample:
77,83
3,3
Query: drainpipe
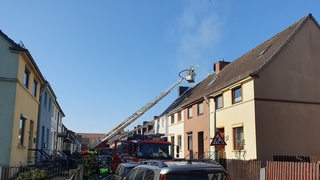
57,130
207,100
215,128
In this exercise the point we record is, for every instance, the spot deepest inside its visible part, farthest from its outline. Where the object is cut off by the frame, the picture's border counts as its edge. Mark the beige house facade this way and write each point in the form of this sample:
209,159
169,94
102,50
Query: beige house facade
236,120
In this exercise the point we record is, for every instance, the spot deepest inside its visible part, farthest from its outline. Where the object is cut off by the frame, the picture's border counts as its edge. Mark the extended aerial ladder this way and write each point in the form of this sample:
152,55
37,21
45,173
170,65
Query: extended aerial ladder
189,77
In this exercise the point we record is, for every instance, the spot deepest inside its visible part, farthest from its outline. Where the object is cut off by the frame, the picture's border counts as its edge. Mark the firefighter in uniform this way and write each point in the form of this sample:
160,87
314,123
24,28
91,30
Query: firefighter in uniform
90,163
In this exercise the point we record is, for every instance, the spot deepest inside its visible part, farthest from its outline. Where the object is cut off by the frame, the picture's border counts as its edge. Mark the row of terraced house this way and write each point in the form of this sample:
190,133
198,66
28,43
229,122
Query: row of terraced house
265,103
30,116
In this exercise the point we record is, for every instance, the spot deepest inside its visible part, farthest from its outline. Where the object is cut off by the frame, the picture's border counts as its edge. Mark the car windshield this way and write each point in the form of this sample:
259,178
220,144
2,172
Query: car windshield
123,171
105,152
198,176
153,151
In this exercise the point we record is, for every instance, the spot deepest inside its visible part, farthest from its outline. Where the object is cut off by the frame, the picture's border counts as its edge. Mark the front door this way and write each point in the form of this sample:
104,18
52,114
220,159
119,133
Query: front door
221,148
172,146
30,142
200,145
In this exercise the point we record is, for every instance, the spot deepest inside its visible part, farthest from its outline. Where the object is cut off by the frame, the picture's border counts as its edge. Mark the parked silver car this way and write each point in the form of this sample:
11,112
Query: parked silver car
122,171
182,170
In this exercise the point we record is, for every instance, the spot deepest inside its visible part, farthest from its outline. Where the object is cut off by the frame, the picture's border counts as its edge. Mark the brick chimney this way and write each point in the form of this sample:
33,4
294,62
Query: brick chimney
218,66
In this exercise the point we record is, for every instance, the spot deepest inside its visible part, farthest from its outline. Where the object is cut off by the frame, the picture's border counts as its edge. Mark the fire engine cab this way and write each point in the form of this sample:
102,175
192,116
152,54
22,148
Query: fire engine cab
135,148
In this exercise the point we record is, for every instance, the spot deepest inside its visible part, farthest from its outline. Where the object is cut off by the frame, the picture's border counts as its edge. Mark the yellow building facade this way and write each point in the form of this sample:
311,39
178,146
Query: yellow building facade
20,85
26,107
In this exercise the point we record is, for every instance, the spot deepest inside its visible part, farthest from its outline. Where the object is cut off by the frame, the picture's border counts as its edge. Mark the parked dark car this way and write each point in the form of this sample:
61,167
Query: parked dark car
182,170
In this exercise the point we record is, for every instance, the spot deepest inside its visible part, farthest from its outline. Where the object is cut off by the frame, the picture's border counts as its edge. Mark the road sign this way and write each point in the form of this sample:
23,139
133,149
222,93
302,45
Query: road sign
217,140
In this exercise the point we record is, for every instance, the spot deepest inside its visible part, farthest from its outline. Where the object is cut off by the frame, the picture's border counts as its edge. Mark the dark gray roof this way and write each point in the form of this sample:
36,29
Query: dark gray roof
249,64
177,102
16,47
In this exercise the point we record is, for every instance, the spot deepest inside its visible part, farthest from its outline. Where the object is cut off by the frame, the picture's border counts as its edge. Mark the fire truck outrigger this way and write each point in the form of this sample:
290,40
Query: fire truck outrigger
138,147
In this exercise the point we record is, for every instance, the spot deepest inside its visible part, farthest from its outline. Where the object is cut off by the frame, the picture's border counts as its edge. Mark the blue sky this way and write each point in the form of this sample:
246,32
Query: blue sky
106,59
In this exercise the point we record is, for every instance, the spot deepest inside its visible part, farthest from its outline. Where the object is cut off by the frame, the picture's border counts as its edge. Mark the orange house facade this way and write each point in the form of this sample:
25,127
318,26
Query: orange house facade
196,128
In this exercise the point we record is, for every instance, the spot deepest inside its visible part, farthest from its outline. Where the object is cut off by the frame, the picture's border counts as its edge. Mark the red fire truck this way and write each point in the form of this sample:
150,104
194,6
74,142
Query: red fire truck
136,148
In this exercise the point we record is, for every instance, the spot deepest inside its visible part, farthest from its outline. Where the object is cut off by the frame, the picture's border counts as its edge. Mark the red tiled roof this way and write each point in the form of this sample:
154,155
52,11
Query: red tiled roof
91,135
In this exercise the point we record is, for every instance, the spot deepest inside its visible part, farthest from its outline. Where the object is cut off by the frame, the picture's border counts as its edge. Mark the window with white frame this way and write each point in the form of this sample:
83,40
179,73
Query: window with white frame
22,124
179,142
47,137
238,140
43,142
179,116
35,87
189,135
219,101
49,105
237,95
190,112
172,118
200,108
45,99
26,78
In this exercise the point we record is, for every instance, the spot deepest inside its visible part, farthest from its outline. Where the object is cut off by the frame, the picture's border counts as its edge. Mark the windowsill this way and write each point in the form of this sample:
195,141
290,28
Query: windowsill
237,102
19,146
242,150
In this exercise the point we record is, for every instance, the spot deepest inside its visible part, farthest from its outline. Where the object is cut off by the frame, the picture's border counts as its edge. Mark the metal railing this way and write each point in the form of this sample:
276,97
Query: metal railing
76,174
204,155
12,173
